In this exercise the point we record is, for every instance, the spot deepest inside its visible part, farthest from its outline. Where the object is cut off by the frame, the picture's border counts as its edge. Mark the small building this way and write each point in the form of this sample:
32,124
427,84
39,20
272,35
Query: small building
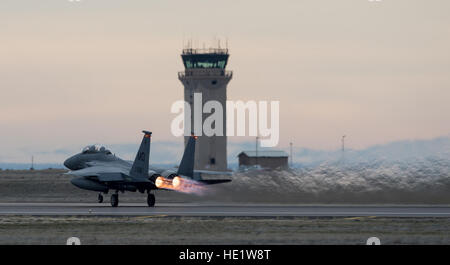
265,159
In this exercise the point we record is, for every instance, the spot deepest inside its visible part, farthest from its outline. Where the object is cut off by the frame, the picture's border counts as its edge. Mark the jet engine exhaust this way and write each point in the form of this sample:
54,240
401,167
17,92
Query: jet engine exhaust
163,183
176,182
180,184
188,186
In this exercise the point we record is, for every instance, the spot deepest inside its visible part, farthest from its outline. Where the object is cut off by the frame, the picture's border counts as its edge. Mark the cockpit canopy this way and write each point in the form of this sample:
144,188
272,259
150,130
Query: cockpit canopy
94,149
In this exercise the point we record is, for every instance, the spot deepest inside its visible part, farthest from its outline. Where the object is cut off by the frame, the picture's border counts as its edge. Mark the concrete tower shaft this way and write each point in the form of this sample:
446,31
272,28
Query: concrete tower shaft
205,73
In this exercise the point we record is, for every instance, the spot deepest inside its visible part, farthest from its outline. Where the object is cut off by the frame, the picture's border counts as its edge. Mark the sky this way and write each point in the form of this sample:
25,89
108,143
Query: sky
100,71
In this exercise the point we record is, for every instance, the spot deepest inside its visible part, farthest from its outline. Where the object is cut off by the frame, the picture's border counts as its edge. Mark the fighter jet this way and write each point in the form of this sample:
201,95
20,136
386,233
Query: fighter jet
97,169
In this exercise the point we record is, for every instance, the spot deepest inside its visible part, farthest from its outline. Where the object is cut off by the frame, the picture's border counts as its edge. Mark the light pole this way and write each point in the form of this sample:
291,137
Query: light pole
256,148
343,148
32,163
292,158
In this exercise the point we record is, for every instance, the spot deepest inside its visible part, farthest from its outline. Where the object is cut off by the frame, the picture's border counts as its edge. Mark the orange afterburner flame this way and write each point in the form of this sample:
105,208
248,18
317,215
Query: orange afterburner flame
177,182
188,185
180,184
163,183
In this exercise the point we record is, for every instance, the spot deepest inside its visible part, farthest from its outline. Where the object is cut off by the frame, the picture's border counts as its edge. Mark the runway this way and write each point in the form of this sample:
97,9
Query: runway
253,210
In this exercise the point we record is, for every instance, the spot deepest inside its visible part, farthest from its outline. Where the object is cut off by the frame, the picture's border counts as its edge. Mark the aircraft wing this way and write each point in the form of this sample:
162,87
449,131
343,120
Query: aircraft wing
102,173
107,172
110,177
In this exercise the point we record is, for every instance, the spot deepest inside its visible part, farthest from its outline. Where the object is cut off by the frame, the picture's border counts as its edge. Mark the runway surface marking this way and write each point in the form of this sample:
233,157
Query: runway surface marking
180,209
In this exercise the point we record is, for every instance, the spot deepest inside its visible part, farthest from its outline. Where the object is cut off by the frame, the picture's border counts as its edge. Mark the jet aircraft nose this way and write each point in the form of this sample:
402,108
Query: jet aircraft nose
72,163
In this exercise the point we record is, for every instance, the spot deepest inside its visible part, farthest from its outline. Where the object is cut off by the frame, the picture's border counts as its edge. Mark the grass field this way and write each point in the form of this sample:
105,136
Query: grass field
217,230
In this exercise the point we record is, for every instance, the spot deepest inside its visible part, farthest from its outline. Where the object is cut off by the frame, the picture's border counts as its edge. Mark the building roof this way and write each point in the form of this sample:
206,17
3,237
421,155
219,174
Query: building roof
271,153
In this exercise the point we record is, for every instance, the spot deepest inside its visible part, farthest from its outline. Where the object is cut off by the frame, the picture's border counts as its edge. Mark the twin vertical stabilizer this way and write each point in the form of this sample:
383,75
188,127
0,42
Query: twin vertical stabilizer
140,165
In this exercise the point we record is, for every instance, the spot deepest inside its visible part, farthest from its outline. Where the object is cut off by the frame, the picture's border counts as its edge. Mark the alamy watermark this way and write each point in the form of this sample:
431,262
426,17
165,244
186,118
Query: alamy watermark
211,114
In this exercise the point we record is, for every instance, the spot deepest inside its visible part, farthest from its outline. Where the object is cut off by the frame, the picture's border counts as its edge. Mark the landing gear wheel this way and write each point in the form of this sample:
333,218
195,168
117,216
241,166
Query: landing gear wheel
115,200
151,200
100,198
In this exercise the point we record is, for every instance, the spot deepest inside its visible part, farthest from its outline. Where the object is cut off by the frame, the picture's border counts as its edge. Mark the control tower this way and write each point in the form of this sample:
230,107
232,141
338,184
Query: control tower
204,72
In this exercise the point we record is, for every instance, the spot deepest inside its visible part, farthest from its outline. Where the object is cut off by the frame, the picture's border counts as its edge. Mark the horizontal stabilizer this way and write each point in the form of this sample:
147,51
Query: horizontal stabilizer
213,181
210,172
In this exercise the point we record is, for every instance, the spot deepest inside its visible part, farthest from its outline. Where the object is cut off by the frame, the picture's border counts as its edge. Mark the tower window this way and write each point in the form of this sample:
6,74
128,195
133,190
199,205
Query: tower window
205,60
212,161
214,82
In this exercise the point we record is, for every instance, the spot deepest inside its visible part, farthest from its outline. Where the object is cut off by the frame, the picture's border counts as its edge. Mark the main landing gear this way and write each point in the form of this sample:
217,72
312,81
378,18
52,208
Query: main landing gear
100,198
115,199
151,200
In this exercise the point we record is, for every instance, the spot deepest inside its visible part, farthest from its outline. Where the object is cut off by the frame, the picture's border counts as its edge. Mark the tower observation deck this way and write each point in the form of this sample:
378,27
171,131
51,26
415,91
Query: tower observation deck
205,72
